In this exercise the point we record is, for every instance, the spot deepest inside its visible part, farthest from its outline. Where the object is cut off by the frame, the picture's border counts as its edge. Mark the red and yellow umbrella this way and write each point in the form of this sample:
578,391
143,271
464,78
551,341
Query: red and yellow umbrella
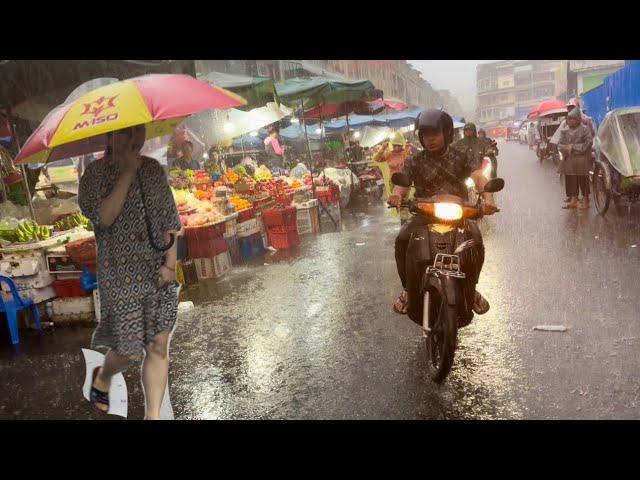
160,102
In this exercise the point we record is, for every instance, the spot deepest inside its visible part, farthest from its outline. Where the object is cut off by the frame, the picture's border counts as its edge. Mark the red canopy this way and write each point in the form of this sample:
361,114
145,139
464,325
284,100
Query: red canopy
545,107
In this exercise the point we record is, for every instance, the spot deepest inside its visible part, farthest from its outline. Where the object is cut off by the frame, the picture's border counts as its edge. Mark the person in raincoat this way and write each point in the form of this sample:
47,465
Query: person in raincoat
531,135
575,145
394,155
474,146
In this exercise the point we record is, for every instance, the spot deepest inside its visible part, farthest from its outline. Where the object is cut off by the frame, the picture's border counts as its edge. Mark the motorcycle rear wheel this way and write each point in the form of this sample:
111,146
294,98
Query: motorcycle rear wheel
441,342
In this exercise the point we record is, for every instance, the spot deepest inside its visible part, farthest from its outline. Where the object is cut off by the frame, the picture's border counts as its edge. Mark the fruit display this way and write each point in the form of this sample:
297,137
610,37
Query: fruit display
178,179
201,178
230,177
240,204
29,231
240,171
262,173
72,221
204,194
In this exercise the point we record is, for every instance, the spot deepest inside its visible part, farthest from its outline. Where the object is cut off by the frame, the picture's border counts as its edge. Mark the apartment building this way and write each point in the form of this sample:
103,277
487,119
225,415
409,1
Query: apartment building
508,90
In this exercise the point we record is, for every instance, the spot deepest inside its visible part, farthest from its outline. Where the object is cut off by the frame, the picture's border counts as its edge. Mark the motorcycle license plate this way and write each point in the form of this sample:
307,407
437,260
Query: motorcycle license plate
380,182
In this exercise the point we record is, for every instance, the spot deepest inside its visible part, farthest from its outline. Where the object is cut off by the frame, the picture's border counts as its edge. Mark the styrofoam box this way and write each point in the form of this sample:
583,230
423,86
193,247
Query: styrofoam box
308,204
72,306
205,268
22,264
36,294
307,220
222,264
248,228
39,280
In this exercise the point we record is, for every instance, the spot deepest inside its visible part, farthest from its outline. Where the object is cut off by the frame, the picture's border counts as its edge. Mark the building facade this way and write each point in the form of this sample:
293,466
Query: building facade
508,90
396,78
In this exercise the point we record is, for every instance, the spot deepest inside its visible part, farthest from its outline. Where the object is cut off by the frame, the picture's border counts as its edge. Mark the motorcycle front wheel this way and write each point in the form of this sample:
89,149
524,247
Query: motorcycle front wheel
441,340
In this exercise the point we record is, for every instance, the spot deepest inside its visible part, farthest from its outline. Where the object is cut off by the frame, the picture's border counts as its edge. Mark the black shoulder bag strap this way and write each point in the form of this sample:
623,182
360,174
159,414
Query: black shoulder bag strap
148,221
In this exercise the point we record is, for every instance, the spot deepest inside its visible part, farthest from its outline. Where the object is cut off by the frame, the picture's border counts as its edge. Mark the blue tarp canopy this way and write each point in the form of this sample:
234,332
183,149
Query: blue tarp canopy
622,89
392,120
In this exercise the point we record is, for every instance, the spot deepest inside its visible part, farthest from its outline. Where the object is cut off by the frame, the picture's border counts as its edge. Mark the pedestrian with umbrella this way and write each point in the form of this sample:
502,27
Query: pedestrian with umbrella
127,198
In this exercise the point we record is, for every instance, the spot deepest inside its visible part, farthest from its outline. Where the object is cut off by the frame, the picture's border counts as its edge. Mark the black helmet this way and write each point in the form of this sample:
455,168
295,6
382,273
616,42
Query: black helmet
436,119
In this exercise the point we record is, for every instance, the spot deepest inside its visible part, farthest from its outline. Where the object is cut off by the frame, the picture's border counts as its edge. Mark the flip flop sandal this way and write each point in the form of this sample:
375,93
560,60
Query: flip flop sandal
480,304
96,396
400,306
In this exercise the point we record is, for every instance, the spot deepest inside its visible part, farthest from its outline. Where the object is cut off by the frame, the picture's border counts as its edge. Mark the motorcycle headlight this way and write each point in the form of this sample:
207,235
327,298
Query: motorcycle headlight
448,211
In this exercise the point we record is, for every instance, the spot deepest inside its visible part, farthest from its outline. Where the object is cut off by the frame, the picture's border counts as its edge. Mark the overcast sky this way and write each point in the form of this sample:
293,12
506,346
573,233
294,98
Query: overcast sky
458,76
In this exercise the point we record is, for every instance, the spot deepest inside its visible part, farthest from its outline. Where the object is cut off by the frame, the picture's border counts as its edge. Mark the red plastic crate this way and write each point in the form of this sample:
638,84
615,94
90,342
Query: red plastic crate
280,217
283,238
69,288
206,242
247,214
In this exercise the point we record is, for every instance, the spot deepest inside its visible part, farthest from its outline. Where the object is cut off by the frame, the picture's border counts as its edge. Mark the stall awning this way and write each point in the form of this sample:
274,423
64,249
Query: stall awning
316,91
257,91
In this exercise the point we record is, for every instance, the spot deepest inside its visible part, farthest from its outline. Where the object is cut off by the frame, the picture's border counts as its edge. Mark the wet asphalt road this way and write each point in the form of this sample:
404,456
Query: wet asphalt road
311,334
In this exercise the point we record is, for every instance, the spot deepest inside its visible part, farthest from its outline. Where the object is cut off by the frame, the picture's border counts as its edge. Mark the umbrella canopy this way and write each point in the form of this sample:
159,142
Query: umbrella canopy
220,127
317,91
546,108
257,91
160,102
390,104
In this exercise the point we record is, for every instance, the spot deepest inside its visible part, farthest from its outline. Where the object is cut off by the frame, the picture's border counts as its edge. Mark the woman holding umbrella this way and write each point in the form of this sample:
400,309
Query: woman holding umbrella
128,200
137,281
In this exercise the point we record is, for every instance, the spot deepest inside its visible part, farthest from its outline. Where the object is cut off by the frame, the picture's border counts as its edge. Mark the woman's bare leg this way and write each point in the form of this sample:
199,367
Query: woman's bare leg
113,363
155,372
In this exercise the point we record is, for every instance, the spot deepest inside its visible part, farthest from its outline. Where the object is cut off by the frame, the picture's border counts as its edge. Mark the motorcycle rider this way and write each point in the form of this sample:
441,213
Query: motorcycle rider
492,146
473,145
438,169
477,147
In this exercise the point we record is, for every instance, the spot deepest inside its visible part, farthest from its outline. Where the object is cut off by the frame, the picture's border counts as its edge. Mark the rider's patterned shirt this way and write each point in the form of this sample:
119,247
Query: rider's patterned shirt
443,174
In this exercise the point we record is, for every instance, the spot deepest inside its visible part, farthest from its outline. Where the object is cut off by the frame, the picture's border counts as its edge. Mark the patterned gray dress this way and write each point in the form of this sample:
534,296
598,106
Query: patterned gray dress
133,309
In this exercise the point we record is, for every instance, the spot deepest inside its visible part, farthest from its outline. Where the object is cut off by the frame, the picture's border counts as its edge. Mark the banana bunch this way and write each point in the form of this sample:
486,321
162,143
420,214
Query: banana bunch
72,221
28,231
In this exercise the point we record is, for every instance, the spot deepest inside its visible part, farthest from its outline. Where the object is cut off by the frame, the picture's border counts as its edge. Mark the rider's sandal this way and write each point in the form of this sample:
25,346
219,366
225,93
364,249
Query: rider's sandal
400,306
97,396
480,304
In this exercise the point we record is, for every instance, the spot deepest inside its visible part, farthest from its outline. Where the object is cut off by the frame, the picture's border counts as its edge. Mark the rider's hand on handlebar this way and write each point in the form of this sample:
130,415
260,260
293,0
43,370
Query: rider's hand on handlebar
489,208
394,200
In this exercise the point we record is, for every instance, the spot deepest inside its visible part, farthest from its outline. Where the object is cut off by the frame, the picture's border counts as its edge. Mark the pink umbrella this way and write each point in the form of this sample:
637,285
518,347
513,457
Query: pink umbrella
546,107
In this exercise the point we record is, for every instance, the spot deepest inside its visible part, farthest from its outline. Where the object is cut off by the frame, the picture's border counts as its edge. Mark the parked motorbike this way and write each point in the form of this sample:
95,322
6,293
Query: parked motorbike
370,182
441,249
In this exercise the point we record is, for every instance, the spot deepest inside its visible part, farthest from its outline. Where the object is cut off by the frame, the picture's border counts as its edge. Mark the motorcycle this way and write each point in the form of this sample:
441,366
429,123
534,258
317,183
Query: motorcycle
440,249
370,182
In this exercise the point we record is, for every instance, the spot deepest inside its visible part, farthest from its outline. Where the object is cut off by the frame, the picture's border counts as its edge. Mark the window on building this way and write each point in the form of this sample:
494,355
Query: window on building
522,96
239,67
522,78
